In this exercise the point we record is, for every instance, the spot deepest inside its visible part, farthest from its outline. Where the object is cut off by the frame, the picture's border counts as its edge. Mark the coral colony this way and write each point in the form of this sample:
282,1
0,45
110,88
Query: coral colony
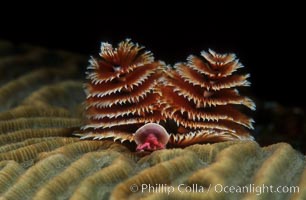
132,97
149,105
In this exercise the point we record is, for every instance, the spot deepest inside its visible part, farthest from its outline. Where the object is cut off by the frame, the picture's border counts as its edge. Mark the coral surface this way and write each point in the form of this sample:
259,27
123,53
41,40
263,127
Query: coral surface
40,158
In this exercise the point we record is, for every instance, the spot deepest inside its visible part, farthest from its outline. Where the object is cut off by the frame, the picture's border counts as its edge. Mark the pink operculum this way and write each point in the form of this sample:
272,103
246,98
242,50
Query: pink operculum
151,143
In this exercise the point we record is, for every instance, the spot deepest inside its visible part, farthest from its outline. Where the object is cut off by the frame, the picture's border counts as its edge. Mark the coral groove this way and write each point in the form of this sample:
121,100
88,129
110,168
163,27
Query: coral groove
40,158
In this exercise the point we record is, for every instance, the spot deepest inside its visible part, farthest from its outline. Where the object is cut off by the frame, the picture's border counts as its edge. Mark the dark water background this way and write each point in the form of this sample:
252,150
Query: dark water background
270,43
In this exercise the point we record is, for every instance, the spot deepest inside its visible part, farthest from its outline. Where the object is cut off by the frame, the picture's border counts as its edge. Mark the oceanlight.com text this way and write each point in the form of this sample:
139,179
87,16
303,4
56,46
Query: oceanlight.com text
217,188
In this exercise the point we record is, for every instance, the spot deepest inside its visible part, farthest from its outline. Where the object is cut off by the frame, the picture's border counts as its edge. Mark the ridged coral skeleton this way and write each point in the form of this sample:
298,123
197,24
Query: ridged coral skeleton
199,96
47,162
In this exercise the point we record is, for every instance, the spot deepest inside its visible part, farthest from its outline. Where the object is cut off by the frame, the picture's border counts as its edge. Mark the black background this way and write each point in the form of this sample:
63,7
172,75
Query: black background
268,40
